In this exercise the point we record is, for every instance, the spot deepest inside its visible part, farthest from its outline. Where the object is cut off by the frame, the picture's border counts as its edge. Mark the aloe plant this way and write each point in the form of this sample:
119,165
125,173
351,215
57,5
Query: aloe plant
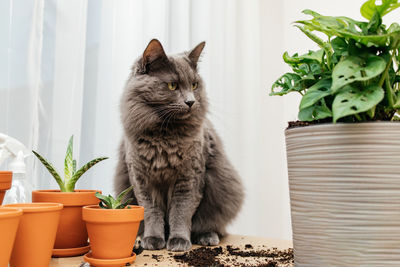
108,202
71,175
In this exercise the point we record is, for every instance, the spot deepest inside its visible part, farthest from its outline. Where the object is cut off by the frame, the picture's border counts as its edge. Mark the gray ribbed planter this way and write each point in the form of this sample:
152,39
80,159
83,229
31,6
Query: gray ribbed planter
344,184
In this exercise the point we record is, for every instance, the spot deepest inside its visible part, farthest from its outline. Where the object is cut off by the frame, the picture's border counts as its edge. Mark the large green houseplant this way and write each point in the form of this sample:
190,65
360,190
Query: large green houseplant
354,76
72,237
344,171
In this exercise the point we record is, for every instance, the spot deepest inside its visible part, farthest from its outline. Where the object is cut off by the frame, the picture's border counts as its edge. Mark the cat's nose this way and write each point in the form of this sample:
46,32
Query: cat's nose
189,103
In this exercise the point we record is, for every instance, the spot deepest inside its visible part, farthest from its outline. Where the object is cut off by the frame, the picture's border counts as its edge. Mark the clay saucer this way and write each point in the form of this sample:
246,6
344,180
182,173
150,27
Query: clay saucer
108,262
70,252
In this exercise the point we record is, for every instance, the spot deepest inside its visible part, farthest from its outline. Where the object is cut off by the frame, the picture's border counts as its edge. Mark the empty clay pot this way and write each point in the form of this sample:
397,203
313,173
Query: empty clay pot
5,183
9,220
36,234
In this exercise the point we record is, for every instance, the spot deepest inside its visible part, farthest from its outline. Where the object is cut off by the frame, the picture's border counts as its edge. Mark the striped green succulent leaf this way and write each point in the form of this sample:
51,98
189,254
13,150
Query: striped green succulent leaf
105,201
122,206
108,202
52,171
123,193
68,163
71,183
74,166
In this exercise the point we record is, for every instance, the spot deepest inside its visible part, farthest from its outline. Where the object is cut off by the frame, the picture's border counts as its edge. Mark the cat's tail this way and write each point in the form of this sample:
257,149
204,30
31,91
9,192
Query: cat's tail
223,191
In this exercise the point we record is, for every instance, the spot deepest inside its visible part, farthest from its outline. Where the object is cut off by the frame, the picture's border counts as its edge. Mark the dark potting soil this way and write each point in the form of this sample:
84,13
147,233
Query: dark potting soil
248,246
206,256
284,256
200,257
158,258
295,124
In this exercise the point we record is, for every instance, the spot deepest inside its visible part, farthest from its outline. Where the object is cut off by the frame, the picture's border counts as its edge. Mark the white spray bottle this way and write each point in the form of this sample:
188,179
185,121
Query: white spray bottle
21,189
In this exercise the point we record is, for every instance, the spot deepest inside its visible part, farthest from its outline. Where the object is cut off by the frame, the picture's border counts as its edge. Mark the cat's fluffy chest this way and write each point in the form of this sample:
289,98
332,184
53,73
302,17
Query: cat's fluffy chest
164,159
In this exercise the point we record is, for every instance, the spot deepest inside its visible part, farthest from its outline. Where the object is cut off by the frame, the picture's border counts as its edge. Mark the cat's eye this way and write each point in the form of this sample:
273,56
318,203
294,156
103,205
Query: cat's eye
194,85
172,86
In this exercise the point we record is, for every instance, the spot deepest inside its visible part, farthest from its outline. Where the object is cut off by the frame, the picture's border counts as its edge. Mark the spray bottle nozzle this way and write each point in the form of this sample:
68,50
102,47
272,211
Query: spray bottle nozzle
17,165
12,148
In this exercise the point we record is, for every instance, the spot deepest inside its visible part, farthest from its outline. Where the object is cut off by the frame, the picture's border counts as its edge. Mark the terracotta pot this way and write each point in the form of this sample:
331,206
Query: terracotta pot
112,232
5,183
72,237
344,184
9,220
36,234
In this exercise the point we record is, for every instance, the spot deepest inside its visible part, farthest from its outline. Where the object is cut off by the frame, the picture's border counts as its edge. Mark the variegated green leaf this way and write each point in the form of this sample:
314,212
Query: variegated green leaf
105,201
68,163
371,6
102,205
122,206
352,100
52,171
123,193
71,183
74,166
108,202
354,68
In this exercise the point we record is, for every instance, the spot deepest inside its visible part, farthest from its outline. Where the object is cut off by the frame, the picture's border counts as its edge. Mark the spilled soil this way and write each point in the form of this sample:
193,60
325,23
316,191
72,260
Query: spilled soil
234,256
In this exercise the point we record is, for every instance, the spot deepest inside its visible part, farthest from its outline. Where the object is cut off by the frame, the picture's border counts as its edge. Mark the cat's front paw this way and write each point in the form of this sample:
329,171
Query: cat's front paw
178,244
153,243
207,239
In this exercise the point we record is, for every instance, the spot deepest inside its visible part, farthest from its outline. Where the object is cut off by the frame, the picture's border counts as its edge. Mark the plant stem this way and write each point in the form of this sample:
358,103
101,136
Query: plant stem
389,91
385,78
386,71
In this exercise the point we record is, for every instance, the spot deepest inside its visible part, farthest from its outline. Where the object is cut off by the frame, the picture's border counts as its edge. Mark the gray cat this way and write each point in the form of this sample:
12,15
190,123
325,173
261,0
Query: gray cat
172,155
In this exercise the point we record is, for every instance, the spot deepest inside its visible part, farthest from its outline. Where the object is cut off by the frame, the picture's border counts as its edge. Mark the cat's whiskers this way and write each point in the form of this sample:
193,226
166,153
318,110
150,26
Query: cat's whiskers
169,112
167,119
173,116
163,116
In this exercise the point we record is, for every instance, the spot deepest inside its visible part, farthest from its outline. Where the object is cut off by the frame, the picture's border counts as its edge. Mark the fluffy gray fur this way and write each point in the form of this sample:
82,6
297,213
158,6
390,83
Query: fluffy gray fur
172,155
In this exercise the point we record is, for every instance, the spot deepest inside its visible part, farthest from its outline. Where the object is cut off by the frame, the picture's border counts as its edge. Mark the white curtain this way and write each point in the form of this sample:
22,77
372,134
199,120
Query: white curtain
64,64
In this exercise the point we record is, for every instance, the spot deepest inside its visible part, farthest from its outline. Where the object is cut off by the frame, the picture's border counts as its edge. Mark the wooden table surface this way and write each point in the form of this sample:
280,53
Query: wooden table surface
165,258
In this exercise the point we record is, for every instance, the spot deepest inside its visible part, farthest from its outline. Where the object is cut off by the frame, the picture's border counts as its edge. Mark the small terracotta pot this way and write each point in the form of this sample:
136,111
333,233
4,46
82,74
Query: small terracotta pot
112,232
5,183
36,234
9,220
72,237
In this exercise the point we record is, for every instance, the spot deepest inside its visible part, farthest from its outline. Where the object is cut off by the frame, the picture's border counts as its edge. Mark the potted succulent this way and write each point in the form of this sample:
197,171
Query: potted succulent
9,221
5,183
72,238
112,226
344,171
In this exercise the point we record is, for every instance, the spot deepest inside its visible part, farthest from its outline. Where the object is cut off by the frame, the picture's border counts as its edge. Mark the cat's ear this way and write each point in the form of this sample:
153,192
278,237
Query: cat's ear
153,56
195,53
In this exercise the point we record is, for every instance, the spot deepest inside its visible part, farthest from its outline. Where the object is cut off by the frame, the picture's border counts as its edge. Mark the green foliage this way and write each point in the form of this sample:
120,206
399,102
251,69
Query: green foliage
108,202
354,76
71,176
369,7
352,69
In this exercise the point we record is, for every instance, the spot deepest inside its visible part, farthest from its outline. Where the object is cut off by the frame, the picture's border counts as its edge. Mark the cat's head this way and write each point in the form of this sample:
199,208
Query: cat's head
164,93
